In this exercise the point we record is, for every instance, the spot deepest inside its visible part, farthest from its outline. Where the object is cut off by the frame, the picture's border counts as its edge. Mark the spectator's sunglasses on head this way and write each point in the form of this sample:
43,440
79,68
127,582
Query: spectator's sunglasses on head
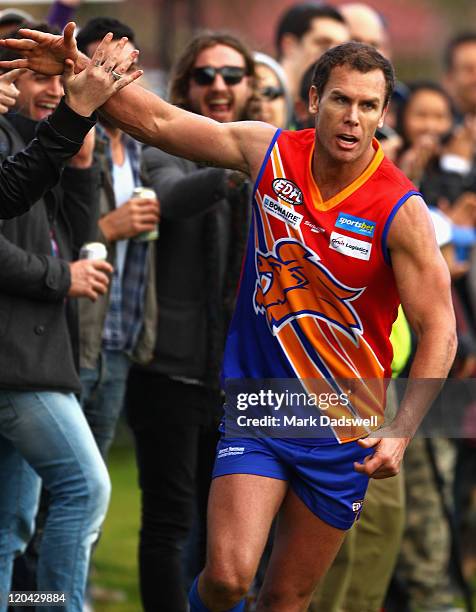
205,75
271,93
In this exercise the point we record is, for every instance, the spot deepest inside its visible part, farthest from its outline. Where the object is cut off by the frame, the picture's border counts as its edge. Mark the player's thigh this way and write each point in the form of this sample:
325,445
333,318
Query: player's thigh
241,509
304,548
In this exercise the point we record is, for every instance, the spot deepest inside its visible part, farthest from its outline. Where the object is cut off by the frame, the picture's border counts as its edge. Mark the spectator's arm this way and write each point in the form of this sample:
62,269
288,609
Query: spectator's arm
81,188
33,276
182,193
26,176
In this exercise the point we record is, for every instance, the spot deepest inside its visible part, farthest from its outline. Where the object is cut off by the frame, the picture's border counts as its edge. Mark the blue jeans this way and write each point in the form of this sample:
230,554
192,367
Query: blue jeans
44,437
102,396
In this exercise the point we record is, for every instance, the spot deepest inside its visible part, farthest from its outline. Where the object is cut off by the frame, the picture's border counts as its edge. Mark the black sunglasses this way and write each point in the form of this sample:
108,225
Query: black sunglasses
271,93
205,75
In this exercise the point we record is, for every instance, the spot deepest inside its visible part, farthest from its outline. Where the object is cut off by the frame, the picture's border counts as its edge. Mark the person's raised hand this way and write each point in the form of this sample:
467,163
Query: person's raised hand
42,52
103,77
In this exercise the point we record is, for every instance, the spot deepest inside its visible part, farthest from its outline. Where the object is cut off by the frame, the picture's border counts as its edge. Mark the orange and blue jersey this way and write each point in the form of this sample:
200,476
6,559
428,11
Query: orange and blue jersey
317,296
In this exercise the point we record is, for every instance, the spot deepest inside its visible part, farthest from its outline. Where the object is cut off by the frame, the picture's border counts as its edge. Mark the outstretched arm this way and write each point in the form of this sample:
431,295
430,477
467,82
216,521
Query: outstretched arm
147,117
424,284
238,145
27,175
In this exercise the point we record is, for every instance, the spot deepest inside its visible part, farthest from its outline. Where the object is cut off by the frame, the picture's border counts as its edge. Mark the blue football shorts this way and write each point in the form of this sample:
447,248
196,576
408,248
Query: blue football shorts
321,474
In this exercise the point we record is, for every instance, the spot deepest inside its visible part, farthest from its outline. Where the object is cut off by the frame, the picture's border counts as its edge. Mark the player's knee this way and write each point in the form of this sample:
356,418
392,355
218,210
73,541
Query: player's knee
227,584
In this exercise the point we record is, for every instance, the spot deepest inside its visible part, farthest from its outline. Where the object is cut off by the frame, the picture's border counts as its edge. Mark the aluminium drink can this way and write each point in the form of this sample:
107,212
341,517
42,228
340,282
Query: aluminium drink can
93,250
149,194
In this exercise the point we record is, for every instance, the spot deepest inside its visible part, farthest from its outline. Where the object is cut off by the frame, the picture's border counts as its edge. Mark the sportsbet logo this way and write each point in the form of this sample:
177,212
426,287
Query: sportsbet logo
356,224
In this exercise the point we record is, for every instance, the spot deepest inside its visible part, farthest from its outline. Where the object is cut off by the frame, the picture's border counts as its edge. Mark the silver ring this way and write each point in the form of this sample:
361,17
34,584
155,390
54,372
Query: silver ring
116,76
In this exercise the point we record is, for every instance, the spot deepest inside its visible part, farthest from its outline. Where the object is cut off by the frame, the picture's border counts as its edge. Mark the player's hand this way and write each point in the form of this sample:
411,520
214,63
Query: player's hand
91,88
89,278
42,52
132,218
387,458
8,91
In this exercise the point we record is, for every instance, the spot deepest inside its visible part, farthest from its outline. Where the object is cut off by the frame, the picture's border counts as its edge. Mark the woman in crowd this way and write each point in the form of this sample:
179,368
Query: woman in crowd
272,101
424,120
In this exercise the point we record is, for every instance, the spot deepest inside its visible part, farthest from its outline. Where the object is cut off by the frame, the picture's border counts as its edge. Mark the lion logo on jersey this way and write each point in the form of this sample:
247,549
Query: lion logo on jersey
292,283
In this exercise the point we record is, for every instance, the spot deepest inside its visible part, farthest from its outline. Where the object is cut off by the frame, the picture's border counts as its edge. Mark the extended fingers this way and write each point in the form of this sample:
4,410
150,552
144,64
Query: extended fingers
100,54
18,44
127,79
12,75
123,64
68,32
114,54
18,63
32,35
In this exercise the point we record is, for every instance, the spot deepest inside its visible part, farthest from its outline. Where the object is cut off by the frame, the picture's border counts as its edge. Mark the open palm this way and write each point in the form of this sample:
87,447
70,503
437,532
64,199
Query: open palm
42,52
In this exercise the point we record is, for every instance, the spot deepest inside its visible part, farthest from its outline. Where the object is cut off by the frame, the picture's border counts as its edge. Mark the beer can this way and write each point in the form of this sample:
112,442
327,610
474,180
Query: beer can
93,250
149,194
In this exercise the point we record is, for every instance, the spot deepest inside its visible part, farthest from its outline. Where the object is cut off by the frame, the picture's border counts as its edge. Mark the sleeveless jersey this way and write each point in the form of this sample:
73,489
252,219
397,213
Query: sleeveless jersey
317,295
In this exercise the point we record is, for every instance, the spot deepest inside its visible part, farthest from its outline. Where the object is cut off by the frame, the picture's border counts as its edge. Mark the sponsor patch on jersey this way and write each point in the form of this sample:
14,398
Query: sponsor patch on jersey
283,213
317,229
230,450
288,191
356,224
351,247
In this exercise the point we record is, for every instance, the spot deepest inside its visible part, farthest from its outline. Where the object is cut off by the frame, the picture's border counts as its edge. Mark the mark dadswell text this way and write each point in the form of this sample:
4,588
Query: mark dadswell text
311,421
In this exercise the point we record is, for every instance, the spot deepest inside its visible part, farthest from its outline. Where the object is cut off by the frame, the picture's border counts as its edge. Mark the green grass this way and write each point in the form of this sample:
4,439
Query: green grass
115,559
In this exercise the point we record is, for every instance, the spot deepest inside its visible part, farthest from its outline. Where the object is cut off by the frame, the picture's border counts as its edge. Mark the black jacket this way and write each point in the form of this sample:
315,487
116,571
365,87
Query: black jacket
26,176
36,352
203,229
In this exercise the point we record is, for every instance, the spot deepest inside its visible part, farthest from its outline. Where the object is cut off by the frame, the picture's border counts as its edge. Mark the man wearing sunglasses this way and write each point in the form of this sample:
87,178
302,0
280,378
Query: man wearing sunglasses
217,85
381,253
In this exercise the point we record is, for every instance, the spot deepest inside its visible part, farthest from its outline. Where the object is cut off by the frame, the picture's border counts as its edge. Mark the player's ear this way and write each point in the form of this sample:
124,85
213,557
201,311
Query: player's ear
313,100
381,121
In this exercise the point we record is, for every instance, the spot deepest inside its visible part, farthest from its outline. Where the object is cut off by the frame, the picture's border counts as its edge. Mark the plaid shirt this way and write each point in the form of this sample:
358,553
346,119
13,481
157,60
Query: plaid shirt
126,305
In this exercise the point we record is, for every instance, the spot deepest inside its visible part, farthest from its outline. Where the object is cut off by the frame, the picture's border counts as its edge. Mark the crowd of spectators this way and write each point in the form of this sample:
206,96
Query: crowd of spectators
145,330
